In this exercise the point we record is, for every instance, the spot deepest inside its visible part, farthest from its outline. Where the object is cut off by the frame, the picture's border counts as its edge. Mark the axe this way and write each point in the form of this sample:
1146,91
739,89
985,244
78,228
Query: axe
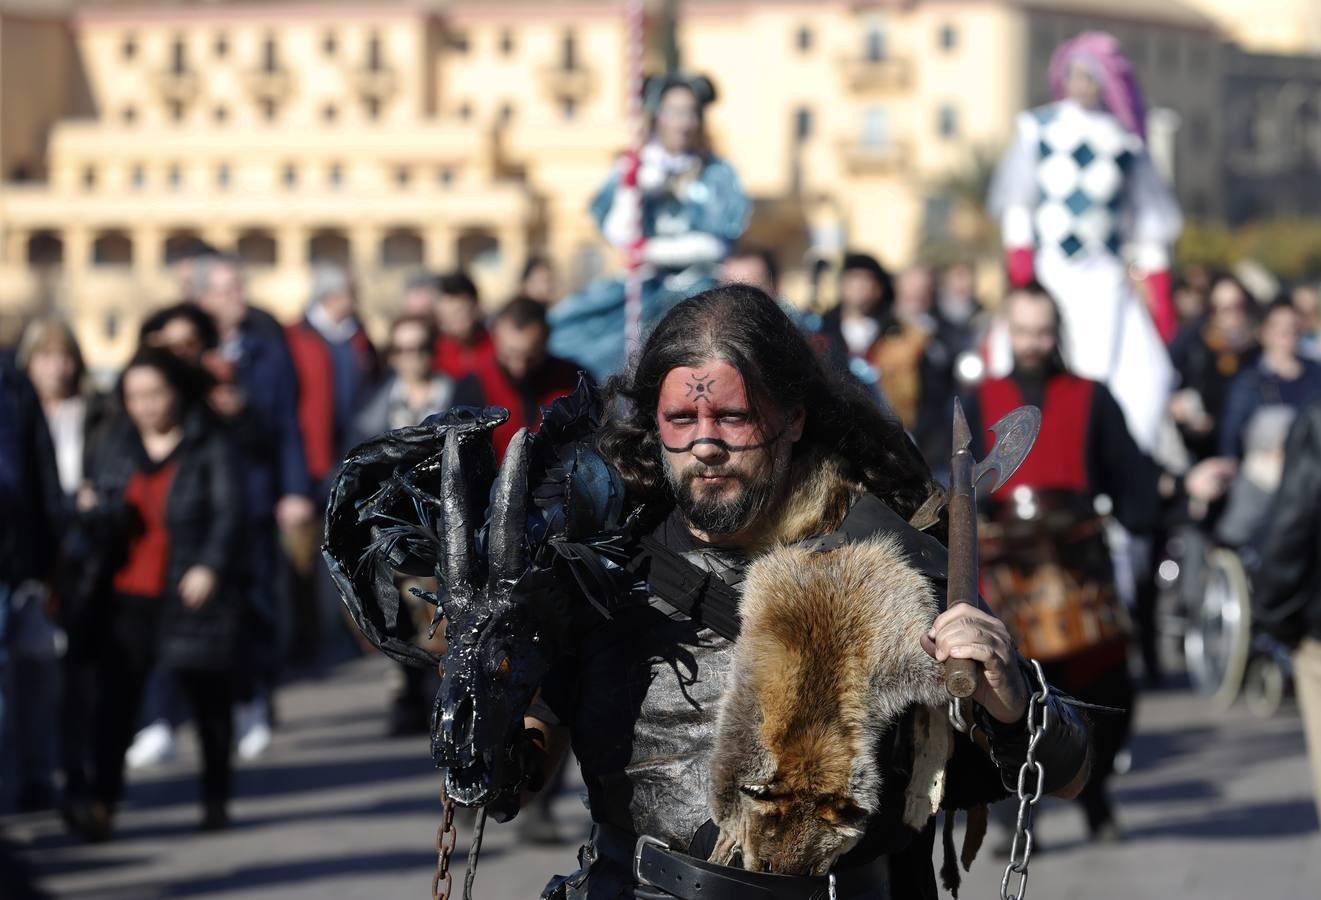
1014,436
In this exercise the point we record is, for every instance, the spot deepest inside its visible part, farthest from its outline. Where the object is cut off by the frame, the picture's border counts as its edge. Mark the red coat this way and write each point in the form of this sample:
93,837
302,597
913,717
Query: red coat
316,392
556,378
457,359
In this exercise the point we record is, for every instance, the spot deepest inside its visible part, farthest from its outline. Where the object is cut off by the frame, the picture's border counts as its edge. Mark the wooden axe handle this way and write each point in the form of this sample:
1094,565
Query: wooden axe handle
961,675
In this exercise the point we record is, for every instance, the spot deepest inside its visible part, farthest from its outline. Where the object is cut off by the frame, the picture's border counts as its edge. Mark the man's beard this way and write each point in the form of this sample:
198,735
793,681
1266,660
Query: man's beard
716,513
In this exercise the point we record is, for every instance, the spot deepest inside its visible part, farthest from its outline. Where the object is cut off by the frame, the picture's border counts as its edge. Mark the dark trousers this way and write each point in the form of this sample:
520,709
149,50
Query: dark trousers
115,723
211,696
1111,686
113,726
123,670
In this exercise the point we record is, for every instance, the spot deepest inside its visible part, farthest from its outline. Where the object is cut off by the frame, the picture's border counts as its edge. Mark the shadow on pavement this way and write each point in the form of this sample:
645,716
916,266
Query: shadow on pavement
1261,820
255,781
264,877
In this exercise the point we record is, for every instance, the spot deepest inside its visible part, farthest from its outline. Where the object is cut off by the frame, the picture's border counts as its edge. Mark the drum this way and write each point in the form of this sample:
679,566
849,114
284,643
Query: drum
1048,575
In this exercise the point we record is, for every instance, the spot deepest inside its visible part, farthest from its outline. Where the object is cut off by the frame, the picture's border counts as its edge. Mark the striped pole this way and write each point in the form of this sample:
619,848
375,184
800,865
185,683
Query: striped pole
634,13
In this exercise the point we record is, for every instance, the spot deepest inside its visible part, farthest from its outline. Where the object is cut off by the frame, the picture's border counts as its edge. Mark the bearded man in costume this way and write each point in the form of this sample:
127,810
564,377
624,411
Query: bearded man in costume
648,536
691,209
1046,568
1075,194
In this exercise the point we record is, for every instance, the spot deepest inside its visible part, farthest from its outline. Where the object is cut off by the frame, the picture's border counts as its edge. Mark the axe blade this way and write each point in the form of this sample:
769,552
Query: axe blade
1014,436
962,434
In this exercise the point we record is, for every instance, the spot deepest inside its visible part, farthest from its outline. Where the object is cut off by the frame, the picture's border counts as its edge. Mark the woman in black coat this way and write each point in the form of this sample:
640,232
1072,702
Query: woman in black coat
168,478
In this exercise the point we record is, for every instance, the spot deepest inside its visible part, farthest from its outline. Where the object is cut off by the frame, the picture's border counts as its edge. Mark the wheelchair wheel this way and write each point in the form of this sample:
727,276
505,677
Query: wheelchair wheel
1218,641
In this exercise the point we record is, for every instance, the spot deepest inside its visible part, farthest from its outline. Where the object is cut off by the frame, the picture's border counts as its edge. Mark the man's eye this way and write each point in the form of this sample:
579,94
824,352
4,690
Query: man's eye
682,420
733,418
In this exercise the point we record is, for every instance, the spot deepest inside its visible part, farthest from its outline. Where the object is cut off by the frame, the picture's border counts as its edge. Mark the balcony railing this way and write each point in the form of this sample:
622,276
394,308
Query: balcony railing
577,83
863,74
177,87
376,84
265,84
873,158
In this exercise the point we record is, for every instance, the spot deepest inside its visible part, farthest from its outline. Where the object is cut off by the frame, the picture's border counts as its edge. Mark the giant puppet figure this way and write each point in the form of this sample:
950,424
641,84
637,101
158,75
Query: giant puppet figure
1078,198
691,209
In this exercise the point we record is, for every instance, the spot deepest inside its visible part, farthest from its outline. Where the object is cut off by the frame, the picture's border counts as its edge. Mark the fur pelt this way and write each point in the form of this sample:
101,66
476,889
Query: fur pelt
829,655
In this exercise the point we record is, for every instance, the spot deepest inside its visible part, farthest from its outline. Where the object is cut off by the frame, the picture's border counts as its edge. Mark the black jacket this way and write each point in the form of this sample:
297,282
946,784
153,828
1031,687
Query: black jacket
204,518
31,500
1288,583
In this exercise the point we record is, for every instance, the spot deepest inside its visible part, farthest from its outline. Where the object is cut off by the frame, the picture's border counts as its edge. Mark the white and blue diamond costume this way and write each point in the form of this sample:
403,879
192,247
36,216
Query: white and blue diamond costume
1080,189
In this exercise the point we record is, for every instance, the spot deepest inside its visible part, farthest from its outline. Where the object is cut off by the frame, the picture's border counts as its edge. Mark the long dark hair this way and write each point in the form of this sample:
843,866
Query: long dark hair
744,327
188,382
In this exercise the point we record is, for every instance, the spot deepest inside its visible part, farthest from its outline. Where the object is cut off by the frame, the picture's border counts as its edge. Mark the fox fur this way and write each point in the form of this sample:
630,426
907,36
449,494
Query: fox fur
828,656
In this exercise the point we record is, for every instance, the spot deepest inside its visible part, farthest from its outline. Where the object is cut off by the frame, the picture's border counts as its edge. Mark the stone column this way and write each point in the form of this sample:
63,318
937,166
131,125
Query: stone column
513,253
365,249
148,252
291,247
77,253
224,237
14,248
440,247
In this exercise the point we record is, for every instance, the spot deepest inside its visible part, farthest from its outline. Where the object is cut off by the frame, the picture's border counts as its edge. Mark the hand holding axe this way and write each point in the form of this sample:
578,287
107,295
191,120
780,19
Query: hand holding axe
1014,436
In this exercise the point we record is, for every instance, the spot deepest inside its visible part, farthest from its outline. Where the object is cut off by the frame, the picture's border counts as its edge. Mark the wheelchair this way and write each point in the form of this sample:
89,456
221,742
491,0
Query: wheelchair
1207,618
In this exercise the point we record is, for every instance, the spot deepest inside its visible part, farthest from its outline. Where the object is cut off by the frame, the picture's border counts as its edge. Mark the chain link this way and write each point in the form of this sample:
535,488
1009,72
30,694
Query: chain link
1020,852
446,839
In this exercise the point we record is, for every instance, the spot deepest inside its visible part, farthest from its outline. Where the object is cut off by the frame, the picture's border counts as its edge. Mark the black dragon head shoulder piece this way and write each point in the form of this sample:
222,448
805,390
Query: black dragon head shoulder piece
429,500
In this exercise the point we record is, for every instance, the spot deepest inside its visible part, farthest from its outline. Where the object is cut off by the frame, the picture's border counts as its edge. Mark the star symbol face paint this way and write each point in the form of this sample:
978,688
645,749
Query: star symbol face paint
699,387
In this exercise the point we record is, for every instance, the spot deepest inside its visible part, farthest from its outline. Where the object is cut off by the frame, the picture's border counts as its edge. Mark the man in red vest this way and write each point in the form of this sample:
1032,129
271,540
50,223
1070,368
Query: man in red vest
520,374
1046,566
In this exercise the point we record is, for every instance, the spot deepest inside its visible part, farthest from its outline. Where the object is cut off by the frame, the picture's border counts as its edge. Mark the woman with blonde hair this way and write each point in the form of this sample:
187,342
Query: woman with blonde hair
48,353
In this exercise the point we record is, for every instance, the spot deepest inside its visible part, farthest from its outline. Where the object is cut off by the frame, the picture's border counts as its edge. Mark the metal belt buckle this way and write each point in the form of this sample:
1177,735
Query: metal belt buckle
643,841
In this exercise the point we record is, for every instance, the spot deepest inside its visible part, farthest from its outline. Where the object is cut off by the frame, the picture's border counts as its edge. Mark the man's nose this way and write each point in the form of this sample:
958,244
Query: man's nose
709,453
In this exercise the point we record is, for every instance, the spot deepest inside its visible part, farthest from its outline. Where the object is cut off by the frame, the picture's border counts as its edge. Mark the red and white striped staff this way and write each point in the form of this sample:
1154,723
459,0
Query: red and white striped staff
634,13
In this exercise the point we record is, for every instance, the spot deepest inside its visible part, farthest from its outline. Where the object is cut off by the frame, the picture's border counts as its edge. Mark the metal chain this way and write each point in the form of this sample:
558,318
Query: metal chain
1038,720
446,839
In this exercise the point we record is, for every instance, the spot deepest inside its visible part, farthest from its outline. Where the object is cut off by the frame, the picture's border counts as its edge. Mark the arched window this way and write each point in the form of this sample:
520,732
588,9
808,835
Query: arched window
328,245
45,249
478,249
112,248
402,247
257,248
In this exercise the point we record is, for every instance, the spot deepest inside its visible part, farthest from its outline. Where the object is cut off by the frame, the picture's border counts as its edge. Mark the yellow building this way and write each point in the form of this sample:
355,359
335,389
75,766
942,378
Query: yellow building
1268,26
393,135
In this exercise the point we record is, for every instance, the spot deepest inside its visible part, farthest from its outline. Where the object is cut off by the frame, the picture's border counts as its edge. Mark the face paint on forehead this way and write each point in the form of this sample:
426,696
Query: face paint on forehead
709,405
699,386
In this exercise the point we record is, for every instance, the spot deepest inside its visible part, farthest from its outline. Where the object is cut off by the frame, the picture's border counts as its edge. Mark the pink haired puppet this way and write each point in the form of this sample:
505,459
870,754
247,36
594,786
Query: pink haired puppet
1078,201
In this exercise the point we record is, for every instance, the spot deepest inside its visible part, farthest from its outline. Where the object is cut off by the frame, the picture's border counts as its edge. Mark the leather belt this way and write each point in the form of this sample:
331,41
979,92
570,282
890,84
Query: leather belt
675,874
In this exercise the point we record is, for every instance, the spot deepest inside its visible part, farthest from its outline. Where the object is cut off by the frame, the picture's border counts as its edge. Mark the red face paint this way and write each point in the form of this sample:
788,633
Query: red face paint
708,405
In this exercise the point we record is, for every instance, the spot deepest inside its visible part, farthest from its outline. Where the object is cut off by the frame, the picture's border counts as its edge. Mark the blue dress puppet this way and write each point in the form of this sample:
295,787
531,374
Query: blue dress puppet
692,209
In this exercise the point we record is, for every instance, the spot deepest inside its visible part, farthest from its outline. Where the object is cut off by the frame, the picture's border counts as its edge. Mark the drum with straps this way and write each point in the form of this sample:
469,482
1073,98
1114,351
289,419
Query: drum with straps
1047,573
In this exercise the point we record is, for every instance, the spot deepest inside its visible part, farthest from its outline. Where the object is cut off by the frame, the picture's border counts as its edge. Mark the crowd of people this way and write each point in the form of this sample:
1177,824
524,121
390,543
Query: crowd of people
161,545
170,526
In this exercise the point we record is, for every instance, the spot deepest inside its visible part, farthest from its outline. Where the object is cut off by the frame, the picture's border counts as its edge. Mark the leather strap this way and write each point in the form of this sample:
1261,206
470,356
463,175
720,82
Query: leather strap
703,597
684,877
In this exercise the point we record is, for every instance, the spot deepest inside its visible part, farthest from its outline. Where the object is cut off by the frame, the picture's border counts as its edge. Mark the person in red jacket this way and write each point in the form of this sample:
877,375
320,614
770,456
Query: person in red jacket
520,375
337,369
464,344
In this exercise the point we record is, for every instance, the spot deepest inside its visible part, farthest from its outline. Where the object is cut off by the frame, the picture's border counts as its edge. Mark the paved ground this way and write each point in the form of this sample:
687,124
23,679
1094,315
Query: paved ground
1216,807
